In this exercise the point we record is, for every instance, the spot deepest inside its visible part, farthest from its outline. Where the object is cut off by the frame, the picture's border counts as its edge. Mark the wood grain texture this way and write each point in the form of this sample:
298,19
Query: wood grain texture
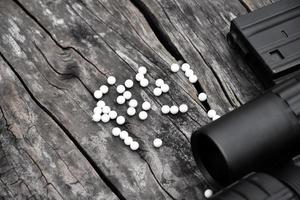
38,161
56,53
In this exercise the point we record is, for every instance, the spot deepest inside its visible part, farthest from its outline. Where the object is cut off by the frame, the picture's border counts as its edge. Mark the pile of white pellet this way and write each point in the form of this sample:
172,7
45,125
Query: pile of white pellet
103,113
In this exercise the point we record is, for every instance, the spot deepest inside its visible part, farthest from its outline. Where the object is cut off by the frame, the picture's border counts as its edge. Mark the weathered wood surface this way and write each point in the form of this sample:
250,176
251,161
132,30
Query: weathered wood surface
54,54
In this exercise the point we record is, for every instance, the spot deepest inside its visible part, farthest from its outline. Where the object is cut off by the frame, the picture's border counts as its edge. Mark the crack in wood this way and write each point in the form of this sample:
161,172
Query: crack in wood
91,18
164,38
66,131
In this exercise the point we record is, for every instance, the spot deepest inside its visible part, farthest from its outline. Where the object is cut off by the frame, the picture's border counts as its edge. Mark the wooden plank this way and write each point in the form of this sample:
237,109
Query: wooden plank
63,50
198,31
37,160
61,71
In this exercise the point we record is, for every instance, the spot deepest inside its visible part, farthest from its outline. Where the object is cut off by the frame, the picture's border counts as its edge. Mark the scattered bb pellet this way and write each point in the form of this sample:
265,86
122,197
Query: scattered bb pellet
113,114
134,146
121,100
159,82
103,113
131,111
183,108
111,80
142,70
174,109
216,117
157,142
96,117
211,113
193,78
165,88
128,140
120,120
165,109
100,103
123,135
104,89
144,82
139,77
133,103
121,89
208,193
105,118
175,67
146,106
189,73
202,96
97,110
98,94
116,131
127,95
157,92
128,83
185,67
106,109
143,115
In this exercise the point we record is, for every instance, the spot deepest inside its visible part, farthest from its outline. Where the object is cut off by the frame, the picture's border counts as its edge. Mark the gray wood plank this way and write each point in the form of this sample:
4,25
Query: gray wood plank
64,50
76,49
198,31
37,159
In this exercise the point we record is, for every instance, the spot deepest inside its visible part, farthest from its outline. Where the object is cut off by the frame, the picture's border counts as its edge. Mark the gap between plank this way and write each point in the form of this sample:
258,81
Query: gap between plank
164,40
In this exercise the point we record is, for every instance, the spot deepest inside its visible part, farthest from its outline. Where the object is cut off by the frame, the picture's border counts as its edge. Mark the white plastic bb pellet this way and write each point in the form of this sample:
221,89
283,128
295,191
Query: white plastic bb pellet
208,193
185,67
165,88
211,113
105,118
111,80
134,146
175,67
159,82
165,109
128,83
133,103
143,115
174,109
104,89
157,92
157,142
120,120
131,111
98,94
146,106
144,82
127,95
142,70
202,96
113,114
106,109
96,117
100,103
128,140
123,135
183,108
116,131
97,110
121,89
121,100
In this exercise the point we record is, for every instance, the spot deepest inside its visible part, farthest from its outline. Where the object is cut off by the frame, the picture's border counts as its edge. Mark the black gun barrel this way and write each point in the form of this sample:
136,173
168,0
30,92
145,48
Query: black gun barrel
282,183
256,136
